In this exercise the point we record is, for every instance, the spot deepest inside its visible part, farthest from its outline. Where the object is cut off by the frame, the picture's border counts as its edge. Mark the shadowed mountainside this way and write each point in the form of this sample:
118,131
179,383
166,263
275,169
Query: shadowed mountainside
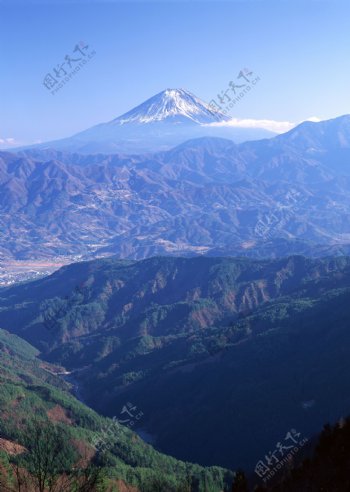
238,347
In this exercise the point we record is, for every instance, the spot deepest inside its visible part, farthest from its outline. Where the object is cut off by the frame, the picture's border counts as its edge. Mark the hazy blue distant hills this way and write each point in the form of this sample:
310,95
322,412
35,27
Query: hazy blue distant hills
267,198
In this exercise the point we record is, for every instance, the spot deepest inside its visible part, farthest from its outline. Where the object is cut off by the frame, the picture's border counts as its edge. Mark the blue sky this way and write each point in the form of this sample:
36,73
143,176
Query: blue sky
300,50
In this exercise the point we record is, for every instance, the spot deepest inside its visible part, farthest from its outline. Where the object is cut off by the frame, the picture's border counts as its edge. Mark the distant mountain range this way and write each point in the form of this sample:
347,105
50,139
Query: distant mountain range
163,121
267,198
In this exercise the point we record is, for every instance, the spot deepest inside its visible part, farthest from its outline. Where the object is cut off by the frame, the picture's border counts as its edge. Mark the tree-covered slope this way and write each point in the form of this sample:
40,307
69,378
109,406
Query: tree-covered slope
198,343
31,392
157,297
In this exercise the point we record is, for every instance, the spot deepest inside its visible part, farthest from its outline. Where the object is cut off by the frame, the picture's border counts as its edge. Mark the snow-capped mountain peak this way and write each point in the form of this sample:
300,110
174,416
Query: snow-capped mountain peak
163,121
172,105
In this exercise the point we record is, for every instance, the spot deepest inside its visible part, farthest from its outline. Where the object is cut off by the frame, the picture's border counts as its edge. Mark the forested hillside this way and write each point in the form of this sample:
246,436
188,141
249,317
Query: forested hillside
49,441
241,348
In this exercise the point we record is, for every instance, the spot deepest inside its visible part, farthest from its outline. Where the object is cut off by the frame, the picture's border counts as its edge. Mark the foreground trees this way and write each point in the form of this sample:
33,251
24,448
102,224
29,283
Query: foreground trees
50,464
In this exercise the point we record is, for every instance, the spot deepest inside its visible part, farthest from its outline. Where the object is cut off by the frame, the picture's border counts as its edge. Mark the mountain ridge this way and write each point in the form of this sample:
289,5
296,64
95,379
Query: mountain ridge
205,196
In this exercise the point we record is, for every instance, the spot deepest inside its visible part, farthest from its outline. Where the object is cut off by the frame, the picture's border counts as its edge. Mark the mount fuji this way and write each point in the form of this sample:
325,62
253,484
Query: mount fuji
165,120
175,106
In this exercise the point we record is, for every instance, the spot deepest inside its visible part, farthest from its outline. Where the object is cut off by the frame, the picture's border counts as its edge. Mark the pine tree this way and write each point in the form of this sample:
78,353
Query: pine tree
240,483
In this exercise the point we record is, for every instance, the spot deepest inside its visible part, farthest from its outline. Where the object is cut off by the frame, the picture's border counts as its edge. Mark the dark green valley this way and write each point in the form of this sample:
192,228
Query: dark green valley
241,348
